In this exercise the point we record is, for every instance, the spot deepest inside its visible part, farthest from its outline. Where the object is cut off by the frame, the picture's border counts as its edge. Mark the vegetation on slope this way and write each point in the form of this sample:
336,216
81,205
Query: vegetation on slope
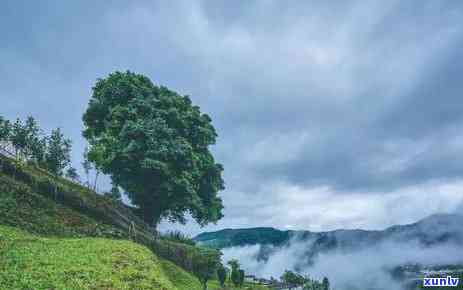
36,201
152,142
31,262
77,236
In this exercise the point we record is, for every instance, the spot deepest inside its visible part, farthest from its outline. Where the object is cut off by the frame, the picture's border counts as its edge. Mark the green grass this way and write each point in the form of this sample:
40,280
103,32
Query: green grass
32,262
21,207
214,285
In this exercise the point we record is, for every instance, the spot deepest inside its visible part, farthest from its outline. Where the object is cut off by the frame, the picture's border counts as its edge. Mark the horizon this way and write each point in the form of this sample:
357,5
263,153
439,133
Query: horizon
340,229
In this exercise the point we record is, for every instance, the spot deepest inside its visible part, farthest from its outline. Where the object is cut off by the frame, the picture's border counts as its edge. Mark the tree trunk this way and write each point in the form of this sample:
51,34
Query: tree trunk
96,180
151,216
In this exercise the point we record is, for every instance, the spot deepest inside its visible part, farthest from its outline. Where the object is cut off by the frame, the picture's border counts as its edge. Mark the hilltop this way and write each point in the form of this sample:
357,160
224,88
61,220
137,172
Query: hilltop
432,230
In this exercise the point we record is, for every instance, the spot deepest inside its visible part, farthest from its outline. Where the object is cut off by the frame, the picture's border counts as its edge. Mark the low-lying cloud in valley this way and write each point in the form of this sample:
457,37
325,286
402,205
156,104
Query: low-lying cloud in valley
368,268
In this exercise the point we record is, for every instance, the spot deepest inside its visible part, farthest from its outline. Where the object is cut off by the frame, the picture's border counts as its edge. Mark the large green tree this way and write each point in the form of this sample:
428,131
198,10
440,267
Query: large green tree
154,143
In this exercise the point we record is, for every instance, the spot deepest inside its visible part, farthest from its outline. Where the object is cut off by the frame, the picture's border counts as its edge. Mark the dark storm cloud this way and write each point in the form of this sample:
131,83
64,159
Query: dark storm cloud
336,97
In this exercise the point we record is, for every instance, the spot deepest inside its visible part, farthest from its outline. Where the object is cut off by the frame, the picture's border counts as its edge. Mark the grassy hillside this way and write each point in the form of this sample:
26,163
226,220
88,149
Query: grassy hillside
33,200
55,234
32,262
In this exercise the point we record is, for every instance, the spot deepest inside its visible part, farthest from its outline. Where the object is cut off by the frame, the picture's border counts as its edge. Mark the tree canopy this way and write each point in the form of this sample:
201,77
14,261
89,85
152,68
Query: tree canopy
205,265
222,275
235,275
154,143
292,279
27,142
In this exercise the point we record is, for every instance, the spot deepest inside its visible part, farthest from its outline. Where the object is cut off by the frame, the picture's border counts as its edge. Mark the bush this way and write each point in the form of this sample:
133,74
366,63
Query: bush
178,237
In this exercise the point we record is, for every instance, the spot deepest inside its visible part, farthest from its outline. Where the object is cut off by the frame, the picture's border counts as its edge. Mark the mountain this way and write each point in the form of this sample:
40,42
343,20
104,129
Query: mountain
435,229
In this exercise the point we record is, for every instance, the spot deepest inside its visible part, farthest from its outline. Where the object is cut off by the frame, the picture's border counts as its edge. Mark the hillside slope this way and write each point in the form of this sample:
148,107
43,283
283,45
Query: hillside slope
31,262
34,200
55,234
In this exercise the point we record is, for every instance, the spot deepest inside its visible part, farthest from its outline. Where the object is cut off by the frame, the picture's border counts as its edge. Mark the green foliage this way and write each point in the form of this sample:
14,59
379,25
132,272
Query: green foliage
56,262
325,284
30,262
154,143
115,193
72,174
30,144
35,144
312,284
5,130
178,237
235,274
58,154
241,280
222,275
205,264
18,137
33,199
292,279
239,237
22,207
87,165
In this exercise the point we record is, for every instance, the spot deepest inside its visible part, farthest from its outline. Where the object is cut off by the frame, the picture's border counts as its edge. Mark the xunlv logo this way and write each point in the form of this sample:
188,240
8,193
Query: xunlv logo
439,282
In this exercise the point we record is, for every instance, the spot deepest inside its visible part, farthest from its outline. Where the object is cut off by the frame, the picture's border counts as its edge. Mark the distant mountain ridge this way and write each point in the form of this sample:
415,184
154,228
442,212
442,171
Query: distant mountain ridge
435,229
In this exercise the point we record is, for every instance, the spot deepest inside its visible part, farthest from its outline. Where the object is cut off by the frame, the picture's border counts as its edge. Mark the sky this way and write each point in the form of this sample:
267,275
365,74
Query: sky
330,114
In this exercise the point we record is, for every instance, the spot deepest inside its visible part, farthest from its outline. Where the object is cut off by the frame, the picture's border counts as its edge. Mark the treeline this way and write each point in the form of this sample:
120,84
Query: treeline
293,280
26,141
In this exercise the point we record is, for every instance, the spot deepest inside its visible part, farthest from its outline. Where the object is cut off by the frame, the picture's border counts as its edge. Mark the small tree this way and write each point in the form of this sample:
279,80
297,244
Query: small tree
115,193
292,279
72,174
325,284
58,154
205,265
222,275
235,275
87,165
5,132
38,150
18,138
31,131
241,280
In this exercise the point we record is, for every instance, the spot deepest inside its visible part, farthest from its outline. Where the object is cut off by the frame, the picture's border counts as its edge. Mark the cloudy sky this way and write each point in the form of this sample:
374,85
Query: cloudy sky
330,114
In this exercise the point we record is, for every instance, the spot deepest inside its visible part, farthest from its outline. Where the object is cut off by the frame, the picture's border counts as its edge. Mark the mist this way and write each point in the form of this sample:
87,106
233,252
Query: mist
368,268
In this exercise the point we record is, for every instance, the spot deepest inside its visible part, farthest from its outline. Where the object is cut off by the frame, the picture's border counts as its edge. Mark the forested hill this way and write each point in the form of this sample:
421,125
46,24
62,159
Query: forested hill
240,237
434,229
